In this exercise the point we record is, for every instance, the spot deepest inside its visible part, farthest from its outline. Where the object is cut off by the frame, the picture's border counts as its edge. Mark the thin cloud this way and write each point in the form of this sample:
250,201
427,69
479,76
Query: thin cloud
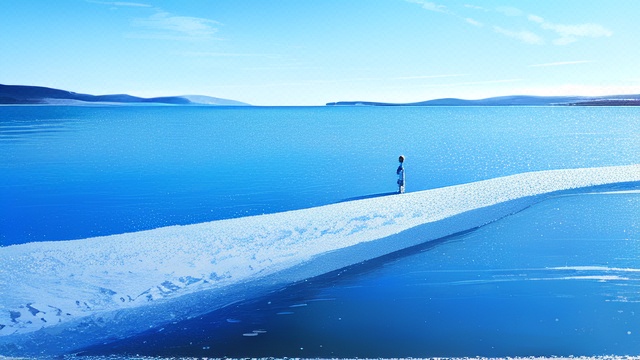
567,34
431,6
562,63
282,67
524,36
474,7
535,19
473,22
509,11
425,77
163,25
219,54
571,33
120,3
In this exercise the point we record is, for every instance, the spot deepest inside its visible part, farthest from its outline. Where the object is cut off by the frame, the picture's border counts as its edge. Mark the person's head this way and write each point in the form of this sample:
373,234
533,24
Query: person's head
401,158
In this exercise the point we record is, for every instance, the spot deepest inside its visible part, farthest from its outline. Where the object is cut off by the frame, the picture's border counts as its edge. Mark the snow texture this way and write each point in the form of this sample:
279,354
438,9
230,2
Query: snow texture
91,290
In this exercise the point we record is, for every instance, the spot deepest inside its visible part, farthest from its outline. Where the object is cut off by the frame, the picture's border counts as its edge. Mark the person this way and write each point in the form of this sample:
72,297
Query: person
400,173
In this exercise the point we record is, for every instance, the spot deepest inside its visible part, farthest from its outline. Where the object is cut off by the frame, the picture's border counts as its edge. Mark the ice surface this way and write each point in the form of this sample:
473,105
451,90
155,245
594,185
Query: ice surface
96,289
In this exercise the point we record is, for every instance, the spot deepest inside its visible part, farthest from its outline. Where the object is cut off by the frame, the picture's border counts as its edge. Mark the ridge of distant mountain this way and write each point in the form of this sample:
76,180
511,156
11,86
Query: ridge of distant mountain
514,100
208,100
23,94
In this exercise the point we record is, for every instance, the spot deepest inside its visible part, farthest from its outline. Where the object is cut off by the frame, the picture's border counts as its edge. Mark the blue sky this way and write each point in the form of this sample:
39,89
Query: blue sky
306,52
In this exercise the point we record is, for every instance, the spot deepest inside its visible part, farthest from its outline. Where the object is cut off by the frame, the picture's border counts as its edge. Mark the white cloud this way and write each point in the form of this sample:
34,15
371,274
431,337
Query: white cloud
473,22
585,30
426,77
509,11
431,6
567,34
474,7
571,33
119,3
536,19
219,54
565,40
562,63
525,36
163,25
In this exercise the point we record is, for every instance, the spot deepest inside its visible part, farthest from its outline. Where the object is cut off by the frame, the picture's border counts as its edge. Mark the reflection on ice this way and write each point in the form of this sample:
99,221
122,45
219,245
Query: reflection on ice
102,288
594,268
597,273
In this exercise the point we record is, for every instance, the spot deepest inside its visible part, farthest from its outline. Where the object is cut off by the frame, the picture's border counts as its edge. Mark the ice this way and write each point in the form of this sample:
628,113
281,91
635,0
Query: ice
594,268
99,288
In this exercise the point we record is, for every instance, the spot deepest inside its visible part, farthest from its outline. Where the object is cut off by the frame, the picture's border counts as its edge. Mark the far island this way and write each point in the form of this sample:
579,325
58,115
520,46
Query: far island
518,100
38,95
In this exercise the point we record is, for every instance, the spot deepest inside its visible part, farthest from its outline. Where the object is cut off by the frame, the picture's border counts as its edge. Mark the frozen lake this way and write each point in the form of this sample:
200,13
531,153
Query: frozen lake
557,276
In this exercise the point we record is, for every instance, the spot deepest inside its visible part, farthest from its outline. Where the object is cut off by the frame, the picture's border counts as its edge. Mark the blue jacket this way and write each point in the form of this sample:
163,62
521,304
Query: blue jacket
400,173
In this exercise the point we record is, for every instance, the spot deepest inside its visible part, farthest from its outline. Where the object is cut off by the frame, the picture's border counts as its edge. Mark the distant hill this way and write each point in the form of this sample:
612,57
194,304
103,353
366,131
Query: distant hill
516,100
21,94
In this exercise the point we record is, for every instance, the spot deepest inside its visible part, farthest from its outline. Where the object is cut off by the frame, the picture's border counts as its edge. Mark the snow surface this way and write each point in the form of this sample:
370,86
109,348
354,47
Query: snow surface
107,287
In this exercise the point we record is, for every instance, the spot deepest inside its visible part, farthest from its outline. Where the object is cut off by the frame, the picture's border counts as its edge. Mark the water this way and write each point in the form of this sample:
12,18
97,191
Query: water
549,280
559,278
75,172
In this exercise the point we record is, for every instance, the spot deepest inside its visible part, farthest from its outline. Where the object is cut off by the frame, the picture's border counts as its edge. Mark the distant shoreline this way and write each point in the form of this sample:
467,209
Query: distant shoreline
516,100
38,95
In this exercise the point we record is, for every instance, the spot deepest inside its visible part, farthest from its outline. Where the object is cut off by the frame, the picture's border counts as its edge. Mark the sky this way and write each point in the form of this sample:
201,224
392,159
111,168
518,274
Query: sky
311,52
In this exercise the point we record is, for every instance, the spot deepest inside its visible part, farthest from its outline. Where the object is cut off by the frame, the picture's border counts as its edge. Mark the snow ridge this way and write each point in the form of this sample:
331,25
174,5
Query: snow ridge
97,288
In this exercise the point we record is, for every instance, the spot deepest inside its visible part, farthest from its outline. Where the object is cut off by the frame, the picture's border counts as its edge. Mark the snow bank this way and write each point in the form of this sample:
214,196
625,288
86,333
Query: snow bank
96,289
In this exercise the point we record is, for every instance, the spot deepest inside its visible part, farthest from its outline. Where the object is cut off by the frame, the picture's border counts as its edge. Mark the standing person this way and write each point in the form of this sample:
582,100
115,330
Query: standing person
400,173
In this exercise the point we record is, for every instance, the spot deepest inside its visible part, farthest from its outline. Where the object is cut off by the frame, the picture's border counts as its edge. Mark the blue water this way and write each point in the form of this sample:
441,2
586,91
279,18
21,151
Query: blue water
555,279
75,172
559,278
